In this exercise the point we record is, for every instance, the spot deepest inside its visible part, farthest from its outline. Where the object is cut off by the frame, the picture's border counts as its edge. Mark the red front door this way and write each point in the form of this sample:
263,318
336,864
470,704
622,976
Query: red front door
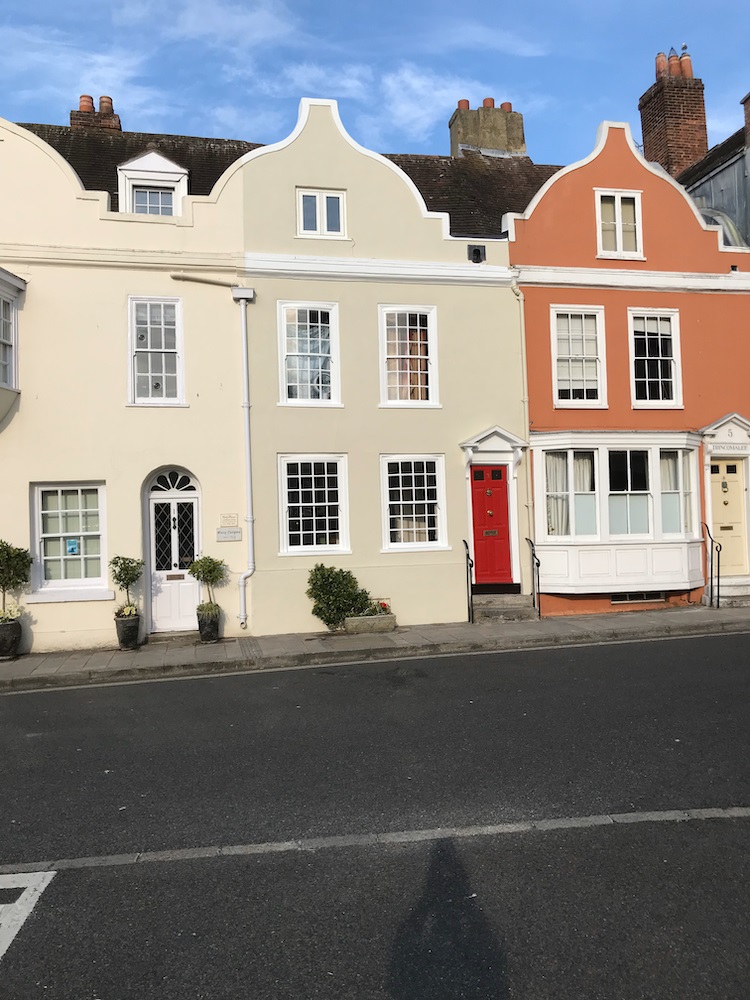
489,498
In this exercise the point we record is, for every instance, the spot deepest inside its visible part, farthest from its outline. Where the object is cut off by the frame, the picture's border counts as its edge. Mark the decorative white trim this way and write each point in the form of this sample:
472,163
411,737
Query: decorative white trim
11,284
602,134
333,309
9,294
601,348
441,545
153,170
657,404
133,300
344,546
432,358
618,194
664,281
367,269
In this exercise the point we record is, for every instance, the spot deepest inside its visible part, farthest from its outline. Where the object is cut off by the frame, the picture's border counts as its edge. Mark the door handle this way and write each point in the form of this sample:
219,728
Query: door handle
490,513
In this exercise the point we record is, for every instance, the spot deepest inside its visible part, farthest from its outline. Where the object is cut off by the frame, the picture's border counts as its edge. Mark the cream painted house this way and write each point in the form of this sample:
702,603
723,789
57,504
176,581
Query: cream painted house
274,355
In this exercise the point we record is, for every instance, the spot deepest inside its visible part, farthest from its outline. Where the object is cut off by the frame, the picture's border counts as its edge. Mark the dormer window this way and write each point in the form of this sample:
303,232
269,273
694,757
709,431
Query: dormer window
151,185
321,213
619,226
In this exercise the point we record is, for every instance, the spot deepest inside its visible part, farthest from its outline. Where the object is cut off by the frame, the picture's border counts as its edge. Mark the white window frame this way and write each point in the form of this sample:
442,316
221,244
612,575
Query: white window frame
433,400
321,231
657,404
333,311
601,444
343,546
442,522
58,591
151,170
685,492
618,194
9,293
133,400
601,348
571,493
654,480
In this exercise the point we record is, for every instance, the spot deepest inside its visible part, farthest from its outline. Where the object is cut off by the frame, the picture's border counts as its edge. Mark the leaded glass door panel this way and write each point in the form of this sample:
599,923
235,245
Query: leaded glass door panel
173,509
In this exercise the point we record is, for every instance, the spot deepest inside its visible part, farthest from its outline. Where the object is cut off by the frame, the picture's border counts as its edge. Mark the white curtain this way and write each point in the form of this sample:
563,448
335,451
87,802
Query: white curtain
585,497
556,470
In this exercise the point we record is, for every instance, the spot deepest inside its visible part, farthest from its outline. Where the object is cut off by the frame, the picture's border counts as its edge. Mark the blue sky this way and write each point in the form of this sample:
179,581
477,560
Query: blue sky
237,68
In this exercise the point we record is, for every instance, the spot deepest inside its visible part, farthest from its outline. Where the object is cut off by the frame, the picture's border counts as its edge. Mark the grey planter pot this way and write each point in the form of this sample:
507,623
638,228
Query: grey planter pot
10,639
128,630
208,628
369,623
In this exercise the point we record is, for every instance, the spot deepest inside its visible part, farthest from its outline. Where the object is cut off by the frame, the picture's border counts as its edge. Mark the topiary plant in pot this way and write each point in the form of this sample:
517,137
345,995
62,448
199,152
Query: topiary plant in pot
213,573
126,572
15,565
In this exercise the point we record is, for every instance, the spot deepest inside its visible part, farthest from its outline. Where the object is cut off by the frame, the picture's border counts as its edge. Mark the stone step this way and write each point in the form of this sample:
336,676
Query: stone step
502,600
503,608
181,637
730,601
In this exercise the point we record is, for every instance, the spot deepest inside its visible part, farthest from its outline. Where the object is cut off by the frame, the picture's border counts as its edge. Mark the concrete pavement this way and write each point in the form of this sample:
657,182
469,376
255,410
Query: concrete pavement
187,656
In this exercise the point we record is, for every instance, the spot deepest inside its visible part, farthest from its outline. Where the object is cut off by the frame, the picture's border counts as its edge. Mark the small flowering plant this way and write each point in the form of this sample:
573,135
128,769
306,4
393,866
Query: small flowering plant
126,611
378,608
10,614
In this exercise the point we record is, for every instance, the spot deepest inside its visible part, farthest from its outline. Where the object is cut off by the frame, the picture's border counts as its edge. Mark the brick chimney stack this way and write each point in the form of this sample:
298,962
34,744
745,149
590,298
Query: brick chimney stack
86,117
673,114
745,102
495,131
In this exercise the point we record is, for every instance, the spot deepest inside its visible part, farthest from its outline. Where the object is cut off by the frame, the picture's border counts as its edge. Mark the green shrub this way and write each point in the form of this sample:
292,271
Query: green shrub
126,572
336,595
212,572
15,564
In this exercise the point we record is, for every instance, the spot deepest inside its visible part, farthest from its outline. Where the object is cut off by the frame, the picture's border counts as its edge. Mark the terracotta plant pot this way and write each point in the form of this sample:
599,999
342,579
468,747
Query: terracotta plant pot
10,639
128,630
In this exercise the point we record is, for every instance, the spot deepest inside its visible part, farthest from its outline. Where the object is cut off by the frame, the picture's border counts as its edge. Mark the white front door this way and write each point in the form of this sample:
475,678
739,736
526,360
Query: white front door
174,593
728,503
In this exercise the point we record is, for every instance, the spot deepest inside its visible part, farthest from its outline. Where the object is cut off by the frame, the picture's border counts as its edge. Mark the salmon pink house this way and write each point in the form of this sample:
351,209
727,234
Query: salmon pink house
636,325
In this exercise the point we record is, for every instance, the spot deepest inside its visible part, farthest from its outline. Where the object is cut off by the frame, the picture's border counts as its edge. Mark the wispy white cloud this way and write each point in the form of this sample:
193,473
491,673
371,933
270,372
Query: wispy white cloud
237,26
454,34
314,80
237,122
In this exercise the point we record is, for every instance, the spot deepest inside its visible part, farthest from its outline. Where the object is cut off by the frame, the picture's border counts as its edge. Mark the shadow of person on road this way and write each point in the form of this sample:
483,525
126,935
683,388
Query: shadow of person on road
446,949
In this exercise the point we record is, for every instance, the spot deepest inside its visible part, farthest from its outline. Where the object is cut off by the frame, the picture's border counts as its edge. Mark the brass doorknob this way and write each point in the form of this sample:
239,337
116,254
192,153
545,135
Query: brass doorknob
490,513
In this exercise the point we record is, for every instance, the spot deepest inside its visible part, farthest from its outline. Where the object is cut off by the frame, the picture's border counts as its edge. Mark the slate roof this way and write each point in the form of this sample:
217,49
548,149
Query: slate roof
715,157
475,189
95,154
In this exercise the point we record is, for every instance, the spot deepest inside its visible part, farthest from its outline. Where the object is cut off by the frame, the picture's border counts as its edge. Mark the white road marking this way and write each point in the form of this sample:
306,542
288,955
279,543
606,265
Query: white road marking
388,837
12,915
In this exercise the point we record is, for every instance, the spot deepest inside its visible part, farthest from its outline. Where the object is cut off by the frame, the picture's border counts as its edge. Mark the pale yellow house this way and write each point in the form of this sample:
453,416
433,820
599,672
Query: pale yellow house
297,364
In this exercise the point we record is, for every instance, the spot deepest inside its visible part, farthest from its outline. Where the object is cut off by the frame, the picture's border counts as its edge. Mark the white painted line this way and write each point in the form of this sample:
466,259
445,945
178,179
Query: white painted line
392,837
12,915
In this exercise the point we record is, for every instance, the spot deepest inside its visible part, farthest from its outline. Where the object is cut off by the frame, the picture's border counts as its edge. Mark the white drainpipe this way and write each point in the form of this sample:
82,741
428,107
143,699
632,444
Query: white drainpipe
243,296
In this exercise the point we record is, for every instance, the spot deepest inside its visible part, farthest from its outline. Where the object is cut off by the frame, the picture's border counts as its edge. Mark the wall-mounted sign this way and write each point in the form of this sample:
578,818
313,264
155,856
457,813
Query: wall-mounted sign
229,534
228,520
72,547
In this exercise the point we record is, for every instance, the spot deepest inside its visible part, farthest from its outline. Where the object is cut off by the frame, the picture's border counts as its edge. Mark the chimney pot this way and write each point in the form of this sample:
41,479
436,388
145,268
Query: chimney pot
673,64
686,64
85,103
661,64
506,106
463,105
105,106
488,102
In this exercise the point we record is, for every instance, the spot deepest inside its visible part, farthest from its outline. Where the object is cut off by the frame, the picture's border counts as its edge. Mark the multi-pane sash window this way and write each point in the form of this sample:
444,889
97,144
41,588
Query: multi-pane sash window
414,502
676,492
320,213
157,367
313,503
309,354
629,493
70,535
656,377
578,357
570,489
619,224
7,342
153,201
409,368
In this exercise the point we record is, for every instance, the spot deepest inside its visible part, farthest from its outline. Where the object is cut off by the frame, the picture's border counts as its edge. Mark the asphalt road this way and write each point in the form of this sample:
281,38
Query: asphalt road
652,910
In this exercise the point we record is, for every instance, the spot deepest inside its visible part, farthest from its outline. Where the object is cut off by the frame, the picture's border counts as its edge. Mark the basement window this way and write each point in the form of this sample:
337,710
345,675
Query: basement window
640,597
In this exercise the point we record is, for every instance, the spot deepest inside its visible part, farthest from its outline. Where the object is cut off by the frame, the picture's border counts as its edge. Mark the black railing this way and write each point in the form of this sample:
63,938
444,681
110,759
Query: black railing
535,564
713,546
469,588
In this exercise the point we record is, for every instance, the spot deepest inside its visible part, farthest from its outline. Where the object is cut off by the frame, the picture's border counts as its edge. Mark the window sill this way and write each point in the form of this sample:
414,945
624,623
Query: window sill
324,236
658,405
578,404
51,596
620,256
311,404
416,548
410,406
323,550
158,406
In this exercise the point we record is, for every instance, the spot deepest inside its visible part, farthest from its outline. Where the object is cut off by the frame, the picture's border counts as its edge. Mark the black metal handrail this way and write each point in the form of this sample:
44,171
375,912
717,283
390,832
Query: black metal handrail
535,564
469,589
714,546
